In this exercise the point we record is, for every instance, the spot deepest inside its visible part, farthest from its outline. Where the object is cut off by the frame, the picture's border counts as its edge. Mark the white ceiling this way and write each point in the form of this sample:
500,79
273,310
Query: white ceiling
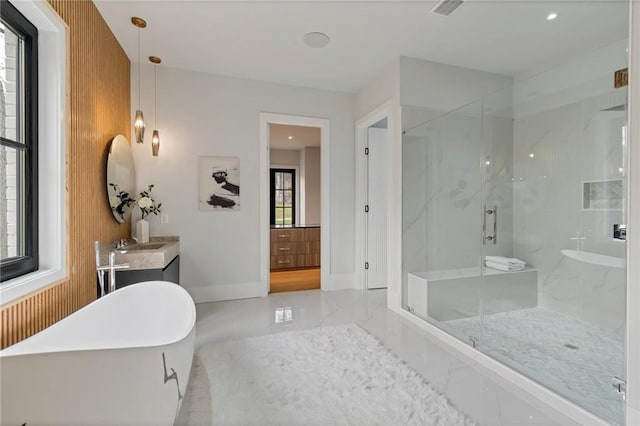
262,40
300,136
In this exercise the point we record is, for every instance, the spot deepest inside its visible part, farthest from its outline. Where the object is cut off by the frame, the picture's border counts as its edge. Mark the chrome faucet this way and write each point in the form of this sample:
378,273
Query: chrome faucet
111,268
96,246
121,244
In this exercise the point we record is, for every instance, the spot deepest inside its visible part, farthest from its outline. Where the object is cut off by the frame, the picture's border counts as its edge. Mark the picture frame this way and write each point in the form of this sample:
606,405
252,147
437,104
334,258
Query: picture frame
218,183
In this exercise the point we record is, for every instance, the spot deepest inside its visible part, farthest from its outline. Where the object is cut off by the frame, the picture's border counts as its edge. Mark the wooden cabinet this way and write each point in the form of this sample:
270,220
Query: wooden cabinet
295,248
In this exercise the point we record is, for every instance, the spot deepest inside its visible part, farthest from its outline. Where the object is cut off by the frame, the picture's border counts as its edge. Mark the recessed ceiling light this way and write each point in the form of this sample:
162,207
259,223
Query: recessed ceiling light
290,137
552,16
316,39
531,155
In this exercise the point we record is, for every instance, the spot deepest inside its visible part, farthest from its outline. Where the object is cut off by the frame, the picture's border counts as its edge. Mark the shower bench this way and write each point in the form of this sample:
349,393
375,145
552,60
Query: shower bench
456,293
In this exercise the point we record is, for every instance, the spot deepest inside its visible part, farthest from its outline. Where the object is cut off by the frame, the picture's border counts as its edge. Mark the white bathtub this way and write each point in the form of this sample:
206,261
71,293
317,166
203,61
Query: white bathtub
110,363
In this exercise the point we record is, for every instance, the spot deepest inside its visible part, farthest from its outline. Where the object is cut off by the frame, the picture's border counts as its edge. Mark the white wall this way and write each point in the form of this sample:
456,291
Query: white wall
382,88
203,114
584,76
381,96
284,157
312,186
444,87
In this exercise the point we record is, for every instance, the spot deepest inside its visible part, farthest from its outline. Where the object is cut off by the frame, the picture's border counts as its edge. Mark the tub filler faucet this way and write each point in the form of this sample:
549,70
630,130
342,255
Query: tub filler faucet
111,268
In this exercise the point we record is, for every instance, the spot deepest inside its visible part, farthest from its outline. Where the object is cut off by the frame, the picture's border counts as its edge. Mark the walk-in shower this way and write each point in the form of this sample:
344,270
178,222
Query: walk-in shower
535,172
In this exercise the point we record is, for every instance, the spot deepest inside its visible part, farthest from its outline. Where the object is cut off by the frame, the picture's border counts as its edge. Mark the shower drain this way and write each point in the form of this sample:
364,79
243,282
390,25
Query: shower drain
570,346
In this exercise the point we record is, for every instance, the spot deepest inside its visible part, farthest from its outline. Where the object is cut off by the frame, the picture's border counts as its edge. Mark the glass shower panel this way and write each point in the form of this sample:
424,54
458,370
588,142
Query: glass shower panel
441,227
514,218
557,180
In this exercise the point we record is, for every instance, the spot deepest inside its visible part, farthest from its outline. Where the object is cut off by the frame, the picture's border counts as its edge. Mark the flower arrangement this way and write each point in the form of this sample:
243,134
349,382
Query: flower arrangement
147,204
120,200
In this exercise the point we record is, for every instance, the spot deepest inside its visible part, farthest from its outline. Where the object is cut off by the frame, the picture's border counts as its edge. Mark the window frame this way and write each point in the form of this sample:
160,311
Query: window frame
272,194
29,261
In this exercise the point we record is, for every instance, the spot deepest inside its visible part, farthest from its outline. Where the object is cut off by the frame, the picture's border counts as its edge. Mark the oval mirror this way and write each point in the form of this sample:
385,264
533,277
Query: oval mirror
121,178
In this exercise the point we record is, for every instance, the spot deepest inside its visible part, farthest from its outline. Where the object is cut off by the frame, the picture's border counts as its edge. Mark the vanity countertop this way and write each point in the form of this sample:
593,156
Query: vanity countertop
295,226
156,254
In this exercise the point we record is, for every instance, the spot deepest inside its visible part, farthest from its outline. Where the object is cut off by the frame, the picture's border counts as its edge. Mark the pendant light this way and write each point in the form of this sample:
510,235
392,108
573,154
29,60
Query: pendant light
138,122
155,140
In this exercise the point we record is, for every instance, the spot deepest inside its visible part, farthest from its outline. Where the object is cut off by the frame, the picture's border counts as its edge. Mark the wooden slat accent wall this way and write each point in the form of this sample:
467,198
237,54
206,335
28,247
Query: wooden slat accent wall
99,102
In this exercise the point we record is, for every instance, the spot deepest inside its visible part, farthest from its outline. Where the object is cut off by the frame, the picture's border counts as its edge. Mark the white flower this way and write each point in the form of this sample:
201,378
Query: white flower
114,201
145,202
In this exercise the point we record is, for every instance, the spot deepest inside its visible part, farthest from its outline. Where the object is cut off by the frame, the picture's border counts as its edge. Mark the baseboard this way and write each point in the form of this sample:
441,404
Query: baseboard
218,293
632,415
340,282
543,394
221,292
393,300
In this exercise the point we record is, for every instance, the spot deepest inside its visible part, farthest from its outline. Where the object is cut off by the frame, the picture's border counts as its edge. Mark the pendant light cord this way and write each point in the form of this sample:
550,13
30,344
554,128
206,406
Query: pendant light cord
139,66
155,93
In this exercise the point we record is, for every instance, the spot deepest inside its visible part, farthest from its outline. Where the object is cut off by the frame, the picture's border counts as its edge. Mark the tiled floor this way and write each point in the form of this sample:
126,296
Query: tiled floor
574,358
472,389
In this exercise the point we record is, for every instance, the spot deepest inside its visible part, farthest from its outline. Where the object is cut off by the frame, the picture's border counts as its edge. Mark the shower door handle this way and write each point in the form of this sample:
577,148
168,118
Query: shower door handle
493,237
495,225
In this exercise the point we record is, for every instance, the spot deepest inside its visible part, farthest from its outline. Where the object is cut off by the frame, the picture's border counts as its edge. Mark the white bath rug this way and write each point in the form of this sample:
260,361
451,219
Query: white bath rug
324,376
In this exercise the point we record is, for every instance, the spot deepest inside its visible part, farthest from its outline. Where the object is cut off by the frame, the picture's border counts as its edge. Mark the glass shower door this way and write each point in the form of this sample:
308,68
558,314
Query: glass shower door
441,227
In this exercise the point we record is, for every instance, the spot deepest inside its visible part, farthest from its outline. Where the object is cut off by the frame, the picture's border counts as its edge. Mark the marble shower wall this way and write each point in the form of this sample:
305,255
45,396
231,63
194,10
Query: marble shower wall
555,152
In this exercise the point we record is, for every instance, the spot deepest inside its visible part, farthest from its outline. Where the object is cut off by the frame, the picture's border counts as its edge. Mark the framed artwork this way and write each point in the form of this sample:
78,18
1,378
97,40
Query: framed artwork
219,183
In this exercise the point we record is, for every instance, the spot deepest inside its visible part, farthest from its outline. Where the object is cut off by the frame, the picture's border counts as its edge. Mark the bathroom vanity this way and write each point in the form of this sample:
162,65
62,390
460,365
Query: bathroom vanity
157,260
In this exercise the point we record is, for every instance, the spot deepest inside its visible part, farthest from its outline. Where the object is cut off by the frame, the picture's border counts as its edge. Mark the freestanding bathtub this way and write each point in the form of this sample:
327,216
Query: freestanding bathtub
124,359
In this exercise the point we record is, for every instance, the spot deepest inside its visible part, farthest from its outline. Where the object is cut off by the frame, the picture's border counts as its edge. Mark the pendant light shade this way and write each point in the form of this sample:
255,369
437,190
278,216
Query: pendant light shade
155,140
138,126
155,143
138,121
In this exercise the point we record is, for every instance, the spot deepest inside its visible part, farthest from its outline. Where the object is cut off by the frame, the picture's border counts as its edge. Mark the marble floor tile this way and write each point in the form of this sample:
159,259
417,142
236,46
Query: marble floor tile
470,387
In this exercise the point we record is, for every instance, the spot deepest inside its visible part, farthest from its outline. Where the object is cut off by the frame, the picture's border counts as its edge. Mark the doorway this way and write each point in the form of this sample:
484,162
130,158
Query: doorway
372,183
294,202
295,181
376,207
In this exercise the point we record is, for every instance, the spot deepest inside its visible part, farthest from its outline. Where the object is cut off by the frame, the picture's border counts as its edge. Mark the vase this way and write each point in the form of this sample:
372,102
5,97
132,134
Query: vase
142,231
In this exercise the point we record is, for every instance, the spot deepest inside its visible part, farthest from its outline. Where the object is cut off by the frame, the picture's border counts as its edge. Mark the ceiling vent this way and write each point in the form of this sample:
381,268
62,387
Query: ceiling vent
446,7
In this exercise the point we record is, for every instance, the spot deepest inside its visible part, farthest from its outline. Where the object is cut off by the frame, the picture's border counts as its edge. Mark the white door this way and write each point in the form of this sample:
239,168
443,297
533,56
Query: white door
376,247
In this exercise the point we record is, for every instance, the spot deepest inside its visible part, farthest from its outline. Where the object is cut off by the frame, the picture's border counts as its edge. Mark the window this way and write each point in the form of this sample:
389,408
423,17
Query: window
283,196
18,144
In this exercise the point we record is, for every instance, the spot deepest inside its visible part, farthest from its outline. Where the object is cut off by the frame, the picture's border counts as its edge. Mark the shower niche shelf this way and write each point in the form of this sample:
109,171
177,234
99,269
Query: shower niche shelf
603,194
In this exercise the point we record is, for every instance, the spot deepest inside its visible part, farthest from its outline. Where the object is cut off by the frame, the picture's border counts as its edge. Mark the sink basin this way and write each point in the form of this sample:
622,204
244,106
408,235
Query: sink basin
595,258
145,246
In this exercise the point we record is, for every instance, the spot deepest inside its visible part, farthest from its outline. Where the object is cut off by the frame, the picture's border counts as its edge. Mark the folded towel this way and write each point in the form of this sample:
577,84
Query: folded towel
505,268
504,260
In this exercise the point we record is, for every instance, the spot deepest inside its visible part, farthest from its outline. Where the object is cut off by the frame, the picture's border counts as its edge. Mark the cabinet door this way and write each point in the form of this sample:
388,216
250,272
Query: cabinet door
290,248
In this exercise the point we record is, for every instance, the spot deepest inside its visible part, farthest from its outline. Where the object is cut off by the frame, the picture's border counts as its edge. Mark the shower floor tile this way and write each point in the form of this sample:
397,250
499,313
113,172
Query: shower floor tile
574,358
